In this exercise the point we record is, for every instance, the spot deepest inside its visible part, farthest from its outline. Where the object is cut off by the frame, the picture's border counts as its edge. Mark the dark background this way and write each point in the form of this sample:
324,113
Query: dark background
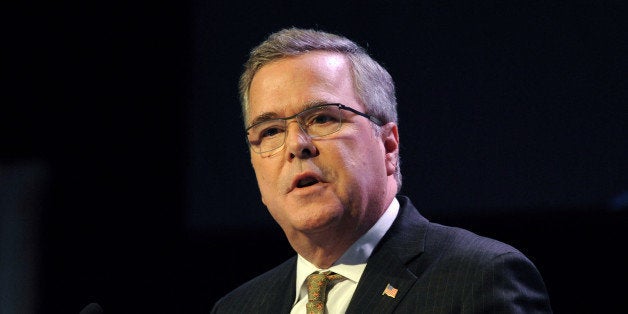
124,175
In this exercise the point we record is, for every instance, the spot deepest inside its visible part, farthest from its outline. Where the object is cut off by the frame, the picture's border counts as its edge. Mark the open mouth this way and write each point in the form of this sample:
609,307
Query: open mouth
305,182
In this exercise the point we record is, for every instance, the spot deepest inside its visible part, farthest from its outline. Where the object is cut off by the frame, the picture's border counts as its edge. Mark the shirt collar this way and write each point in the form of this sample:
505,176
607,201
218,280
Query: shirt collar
352,263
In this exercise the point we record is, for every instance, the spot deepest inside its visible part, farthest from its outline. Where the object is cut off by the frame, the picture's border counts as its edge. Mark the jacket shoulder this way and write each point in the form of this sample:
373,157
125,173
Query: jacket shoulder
456,241
263,294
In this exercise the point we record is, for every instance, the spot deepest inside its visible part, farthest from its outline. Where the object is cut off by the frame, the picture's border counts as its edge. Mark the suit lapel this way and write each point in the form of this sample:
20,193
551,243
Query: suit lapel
279,296
388,265
379,273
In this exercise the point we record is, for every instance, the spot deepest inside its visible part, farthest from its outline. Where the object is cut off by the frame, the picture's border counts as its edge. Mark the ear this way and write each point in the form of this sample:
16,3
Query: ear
390,138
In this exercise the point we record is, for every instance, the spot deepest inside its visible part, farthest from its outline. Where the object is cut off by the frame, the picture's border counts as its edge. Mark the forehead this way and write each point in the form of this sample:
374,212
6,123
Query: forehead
286,86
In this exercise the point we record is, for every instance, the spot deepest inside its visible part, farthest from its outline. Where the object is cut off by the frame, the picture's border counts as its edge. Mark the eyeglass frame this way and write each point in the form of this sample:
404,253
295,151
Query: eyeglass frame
340,106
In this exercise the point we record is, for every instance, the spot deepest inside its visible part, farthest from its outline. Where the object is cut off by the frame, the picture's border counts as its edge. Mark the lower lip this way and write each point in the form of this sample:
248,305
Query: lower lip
308,189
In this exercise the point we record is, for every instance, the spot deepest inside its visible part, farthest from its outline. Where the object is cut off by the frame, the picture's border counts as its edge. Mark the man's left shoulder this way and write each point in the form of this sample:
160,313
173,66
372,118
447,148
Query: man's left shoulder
458,242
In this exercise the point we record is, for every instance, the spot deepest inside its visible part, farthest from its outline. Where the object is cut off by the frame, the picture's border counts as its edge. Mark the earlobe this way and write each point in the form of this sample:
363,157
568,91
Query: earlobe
390,137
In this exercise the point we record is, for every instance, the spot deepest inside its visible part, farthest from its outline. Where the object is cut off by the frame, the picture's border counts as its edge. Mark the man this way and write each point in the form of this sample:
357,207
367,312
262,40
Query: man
321,122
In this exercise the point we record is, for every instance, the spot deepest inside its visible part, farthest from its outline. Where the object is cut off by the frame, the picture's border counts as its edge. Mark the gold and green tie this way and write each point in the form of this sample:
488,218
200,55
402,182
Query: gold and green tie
317,284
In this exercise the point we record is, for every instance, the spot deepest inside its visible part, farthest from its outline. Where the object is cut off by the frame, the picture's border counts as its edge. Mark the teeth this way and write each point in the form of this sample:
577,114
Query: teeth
306,182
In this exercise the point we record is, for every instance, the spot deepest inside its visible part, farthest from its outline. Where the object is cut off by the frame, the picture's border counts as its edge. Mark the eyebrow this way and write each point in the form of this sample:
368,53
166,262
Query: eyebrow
265,116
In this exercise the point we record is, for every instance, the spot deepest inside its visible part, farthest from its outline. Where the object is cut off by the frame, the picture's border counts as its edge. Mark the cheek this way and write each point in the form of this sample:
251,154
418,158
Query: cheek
361,162
345,166
359,154
261,174
263,180
267,181
265,189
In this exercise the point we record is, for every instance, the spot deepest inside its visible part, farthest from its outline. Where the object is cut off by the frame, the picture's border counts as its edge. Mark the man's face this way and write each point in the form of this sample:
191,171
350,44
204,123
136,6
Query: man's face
333,183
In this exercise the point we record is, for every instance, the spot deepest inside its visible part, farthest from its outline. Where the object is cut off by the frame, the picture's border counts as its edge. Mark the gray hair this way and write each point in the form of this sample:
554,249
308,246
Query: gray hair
373,84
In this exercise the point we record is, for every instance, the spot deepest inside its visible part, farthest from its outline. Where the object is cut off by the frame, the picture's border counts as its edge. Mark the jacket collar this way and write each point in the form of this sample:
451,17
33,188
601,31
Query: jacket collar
387,269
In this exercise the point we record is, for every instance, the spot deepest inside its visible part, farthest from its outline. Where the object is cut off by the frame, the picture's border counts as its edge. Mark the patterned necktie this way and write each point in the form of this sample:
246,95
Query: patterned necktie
317,284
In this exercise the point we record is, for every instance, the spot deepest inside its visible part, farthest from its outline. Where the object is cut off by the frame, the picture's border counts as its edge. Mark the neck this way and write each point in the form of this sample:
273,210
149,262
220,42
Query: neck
325,249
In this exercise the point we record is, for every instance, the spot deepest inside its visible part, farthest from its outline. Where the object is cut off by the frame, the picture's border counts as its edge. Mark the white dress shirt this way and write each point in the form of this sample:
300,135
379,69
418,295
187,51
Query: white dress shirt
351,265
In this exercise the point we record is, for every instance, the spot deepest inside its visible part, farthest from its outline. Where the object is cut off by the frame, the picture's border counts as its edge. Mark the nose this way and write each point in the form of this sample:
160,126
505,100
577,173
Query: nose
299,144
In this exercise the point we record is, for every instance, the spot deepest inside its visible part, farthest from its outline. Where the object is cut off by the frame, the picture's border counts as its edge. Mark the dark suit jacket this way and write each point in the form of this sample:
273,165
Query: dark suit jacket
436,269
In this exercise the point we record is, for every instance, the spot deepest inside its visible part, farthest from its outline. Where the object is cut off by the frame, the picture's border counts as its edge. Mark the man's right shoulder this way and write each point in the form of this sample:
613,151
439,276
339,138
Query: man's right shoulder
266,291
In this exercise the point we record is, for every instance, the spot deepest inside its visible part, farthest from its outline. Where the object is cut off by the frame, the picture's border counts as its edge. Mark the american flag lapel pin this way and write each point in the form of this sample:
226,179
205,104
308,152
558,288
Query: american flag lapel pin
390,291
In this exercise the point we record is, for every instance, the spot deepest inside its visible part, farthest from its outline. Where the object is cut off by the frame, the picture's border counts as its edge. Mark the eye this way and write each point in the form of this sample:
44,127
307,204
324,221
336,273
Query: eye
323,117
270,131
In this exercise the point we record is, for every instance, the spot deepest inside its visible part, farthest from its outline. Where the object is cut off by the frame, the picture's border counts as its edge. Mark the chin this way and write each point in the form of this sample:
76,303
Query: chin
316,216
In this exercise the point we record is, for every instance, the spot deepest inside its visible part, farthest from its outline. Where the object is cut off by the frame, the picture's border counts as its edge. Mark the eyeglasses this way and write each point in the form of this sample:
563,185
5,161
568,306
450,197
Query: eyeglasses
317,121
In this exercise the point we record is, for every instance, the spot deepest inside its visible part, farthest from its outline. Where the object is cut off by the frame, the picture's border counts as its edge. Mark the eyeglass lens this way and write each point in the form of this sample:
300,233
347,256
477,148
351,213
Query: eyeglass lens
316,122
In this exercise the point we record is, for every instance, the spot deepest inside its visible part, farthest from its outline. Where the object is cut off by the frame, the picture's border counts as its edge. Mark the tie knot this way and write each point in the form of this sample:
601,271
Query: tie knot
333,276
318,281
317,284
